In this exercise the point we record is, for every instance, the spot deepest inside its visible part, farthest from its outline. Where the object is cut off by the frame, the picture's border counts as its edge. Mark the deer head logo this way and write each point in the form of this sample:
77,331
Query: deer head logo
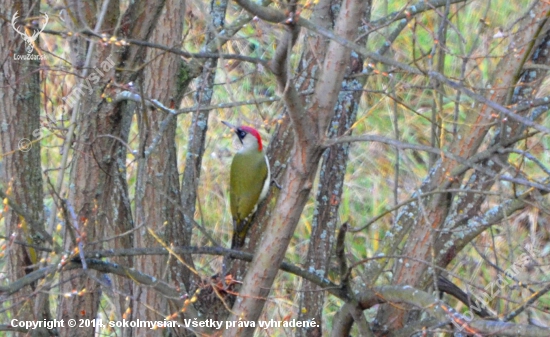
29,40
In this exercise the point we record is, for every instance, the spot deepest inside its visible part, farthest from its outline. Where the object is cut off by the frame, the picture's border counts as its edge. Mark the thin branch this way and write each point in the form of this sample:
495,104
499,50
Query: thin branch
275,16
26,280
469,163
413,199
153,103
532,299
488,102
21,212
385,140
528,156
125,42
474,226
524,105
236,254
407,12
131,273
443,313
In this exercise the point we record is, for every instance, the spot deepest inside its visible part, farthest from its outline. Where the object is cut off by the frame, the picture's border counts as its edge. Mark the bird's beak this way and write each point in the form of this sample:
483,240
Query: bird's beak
231,126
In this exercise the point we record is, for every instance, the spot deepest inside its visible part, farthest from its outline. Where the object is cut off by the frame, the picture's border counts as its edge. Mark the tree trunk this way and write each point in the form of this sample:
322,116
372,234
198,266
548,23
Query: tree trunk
99,192
20,168
331,180
157,182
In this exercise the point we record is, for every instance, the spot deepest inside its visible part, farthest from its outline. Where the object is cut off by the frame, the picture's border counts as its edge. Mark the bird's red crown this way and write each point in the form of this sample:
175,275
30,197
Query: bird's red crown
255,133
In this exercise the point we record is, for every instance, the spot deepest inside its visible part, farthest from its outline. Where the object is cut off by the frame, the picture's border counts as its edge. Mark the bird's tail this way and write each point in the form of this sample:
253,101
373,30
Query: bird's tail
239,234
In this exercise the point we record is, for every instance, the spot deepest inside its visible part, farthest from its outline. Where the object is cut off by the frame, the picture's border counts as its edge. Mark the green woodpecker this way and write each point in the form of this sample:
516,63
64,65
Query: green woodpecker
249,181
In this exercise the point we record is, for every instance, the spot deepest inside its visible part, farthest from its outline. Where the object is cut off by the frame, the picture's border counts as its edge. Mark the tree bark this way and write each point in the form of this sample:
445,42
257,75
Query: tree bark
20,168
99,191
331,177
157,205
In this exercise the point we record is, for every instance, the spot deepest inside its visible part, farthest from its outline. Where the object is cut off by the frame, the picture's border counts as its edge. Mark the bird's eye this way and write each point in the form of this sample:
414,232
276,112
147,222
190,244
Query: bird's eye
242,134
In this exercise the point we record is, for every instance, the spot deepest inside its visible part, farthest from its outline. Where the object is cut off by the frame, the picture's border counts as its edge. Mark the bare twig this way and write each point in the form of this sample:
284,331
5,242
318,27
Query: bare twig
488,102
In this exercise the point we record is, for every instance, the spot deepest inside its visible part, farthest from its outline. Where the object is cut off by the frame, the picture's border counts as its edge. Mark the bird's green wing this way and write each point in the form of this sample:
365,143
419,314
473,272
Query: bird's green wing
248,174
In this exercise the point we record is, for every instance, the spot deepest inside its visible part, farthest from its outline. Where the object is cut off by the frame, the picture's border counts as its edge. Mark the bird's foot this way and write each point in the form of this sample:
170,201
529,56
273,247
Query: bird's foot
274,182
